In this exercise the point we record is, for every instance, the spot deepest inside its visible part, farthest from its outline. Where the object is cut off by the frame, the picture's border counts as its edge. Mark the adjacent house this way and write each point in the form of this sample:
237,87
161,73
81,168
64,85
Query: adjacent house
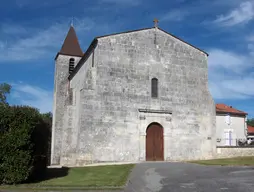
231,125
250,132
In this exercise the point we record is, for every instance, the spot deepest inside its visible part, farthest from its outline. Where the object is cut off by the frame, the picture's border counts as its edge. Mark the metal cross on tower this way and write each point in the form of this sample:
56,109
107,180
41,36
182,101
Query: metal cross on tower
72,21
156,21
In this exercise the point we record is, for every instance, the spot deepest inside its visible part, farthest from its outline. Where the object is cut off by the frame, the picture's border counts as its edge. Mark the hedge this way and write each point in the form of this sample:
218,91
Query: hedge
23,144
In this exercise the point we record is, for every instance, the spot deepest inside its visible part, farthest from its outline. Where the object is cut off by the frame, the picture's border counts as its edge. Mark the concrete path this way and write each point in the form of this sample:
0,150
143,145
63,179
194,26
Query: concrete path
185,177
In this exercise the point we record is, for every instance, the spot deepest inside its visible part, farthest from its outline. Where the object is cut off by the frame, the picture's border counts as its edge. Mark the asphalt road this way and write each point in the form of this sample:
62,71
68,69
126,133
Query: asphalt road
185,177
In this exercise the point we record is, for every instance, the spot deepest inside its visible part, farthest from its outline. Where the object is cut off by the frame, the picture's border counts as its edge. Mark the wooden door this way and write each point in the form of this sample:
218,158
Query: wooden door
154,143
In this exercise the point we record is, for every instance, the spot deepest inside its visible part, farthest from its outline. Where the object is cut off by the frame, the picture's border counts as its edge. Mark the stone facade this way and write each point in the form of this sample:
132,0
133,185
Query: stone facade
111,105
59,108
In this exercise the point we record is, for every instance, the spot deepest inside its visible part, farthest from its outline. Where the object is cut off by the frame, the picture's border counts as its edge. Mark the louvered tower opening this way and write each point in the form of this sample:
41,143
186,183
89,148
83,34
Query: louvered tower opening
71,65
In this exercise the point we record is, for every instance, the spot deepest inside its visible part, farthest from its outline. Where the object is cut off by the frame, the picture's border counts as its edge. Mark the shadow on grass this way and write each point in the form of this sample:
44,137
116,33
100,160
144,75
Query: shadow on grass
50,173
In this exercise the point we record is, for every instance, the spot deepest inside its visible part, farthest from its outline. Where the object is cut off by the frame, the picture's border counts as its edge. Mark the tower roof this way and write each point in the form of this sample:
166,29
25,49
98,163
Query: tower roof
71,44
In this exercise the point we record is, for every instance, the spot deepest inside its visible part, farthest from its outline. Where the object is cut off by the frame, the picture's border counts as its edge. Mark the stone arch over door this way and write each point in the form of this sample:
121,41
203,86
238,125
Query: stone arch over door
154,142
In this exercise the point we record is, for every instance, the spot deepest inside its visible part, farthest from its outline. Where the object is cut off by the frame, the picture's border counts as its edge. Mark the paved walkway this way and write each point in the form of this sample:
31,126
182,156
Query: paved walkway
185,177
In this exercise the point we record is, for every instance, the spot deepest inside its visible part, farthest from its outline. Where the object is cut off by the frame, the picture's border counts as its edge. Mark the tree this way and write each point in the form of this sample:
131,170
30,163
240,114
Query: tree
250,122
46,134
24,144
17,142
5,89
25,139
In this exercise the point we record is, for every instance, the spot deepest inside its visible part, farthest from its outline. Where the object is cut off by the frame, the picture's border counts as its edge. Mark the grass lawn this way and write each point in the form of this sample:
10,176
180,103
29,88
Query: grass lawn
90,177
240,161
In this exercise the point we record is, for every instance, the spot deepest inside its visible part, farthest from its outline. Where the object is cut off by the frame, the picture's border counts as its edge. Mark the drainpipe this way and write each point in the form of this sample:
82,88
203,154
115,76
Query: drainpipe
245,128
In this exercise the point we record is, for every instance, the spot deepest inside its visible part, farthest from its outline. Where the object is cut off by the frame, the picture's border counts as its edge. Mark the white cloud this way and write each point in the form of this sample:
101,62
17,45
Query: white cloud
37,44
250,38
230,75
11,29
34,46
241,85
33,96
175,15
241,15
219,91
229,61
250,44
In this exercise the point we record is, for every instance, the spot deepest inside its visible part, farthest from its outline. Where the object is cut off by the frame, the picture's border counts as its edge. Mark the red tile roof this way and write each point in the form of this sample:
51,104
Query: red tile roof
222,108
250,129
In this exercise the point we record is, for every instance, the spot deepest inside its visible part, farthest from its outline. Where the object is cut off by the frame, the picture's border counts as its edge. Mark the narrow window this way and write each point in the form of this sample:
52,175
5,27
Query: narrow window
154,87
70,97
71,65
93,60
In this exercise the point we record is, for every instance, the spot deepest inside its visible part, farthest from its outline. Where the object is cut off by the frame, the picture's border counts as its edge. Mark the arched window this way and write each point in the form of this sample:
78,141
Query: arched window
154,87
71,65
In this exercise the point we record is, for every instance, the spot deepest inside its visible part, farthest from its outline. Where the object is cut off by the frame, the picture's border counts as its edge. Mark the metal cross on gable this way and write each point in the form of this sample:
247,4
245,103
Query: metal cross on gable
72,21
156,21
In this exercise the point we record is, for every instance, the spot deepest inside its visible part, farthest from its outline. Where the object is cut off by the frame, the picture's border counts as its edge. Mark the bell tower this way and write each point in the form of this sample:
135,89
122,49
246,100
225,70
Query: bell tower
65,62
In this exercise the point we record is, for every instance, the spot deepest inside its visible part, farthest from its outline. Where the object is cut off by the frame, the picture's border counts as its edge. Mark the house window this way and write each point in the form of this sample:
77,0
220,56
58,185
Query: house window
154,87
71,65
228,137
228,119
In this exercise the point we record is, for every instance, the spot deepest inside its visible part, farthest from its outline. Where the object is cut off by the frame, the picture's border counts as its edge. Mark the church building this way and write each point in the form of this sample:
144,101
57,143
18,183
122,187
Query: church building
134,96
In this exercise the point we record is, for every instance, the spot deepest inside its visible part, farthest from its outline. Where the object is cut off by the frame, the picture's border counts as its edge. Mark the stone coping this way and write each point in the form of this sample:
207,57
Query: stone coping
235,147
95,164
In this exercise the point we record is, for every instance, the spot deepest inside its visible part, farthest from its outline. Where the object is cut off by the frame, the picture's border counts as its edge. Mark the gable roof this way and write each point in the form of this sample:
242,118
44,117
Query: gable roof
95,40
71,44
250,129
225,109
153,28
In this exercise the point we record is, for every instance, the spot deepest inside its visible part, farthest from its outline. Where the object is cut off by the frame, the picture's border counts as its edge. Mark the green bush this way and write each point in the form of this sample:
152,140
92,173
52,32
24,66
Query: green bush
23,144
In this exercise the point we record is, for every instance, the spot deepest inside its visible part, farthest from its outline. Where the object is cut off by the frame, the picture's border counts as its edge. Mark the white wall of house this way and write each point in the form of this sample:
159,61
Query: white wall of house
229,129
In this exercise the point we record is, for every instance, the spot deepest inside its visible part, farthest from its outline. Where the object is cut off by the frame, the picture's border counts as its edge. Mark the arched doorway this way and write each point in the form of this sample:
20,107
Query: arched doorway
154,142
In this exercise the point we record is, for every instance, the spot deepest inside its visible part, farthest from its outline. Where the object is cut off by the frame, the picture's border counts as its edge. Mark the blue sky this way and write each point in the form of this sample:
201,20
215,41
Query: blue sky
32,32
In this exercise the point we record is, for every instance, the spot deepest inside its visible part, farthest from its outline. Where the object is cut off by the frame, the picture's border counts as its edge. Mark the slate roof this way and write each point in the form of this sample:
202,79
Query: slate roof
71,44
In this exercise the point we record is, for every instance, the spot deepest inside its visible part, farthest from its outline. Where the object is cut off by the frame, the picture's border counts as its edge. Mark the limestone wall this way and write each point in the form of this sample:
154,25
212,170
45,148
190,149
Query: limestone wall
111,126
227,152
60,92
